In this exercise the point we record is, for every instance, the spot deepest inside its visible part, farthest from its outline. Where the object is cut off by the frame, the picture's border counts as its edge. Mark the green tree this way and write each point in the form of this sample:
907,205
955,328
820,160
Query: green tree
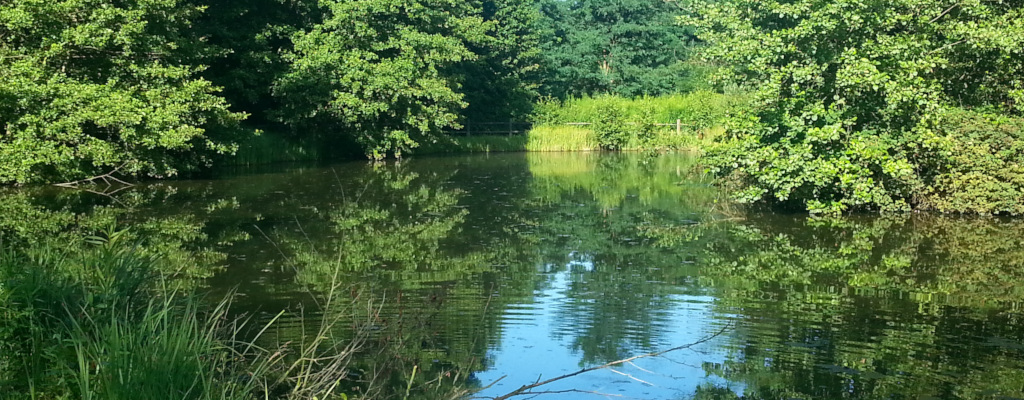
501,83
247,41
852,99
374,70
91,85
624,47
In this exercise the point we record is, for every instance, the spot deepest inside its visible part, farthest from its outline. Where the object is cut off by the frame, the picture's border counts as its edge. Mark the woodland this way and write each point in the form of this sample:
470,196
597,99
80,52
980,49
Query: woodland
846,105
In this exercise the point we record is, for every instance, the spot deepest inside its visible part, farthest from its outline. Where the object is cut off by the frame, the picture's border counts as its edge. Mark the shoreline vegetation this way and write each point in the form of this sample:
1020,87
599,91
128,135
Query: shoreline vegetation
106,319
576,124
916,106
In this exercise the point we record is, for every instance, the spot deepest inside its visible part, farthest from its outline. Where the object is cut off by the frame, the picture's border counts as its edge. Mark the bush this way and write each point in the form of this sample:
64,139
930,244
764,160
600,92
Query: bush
971,162
620,123
90,87
610,127
984,170
851,99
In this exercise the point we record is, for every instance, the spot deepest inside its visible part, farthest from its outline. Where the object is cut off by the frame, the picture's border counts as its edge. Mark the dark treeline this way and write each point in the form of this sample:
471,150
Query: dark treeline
157,88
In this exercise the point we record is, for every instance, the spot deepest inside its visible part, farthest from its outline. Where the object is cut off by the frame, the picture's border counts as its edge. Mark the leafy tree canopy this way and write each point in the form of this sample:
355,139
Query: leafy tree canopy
624,47
92,85
853,101
502,82
373,68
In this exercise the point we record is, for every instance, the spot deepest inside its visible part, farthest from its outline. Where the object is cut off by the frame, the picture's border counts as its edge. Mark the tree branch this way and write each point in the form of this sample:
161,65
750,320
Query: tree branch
525,389
108,178
944,13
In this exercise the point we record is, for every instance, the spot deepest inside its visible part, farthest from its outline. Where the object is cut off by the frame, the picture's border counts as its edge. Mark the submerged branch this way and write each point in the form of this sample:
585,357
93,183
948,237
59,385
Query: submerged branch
526,389
108,178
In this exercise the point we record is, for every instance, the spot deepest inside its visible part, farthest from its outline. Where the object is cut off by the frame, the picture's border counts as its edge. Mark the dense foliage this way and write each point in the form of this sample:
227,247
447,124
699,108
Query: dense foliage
624,47
158,88
90,86
905,104
502,82
374,69
855,102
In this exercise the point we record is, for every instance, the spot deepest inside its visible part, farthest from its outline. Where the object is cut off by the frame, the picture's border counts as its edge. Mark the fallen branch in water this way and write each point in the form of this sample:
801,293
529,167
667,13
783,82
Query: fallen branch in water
526,389
108,178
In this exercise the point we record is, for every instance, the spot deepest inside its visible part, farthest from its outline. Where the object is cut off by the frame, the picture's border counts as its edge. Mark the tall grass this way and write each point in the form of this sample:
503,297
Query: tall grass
99,323
561,138
697,109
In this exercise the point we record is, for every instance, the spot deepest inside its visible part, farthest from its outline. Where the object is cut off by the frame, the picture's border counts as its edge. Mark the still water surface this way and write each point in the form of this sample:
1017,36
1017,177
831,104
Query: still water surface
498,271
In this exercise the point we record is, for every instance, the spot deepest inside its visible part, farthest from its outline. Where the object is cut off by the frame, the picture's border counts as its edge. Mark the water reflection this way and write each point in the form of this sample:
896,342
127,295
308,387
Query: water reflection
919,307
474,268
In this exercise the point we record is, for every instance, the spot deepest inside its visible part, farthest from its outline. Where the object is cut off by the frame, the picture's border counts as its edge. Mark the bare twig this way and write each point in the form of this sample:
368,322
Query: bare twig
946,46
944,13
108,178
526,389
630,376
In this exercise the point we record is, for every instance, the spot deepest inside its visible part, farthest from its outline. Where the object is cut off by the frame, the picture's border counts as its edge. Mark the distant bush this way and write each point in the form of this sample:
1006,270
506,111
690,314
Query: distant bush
610,127
620,122
701,108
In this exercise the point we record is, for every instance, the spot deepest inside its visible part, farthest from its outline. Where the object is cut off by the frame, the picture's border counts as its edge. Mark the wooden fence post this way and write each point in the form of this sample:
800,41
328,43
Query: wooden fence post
679,127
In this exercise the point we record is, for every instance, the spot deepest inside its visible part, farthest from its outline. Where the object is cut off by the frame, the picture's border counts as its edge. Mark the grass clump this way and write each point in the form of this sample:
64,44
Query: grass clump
561,138
100,322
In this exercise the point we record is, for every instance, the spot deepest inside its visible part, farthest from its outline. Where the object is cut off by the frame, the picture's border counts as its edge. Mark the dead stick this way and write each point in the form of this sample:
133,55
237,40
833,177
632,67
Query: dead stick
524,390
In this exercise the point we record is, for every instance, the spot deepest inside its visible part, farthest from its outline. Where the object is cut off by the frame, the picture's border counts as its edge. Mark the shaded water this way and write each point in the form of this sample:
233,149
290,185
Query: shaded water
504,270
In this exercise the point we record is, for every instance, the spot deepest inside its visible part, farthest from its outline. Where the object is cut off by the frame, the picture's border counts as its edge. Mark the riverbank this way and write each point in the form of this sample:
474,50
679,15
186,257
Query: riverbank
677,122
567,138
683,122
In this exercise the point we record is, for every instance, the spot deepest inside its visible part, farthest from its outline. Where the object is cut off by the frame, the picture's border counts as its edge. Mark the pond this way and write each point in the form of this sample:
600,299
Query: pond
492,272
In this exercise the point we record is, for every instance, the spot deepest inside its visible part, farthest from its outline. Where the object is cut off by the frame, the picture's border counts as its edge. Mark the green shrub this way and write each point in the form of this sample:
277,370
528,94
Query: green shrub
90,87
971,162
984,170
826,169
610,127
